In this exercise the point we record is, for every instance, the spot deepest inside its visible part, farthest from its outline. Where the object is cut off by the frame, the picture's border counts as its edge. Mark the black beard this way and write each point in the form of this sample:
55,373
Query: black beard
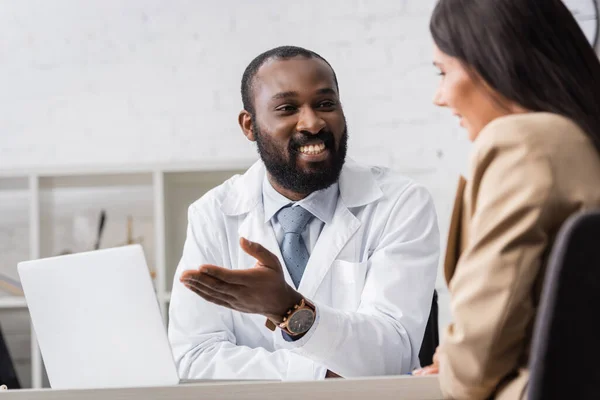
285,171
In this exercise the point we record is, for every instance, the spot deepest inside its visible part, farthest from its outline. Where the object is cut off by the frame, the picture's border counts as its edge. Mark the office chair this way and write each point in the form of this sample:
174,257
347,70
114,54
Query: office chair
431,339
565,352
8,376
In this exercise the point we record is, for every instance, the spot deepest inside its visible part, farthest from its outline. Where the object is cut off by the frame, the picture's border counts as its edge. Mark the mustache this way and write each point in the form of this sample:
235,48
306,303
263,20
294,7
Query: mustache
302,139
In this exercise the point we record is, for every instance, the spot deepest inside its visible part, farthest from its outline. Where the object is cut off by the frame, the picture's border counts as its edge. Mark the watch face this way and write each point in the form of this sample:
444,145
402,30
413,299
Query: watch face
301,321
586,14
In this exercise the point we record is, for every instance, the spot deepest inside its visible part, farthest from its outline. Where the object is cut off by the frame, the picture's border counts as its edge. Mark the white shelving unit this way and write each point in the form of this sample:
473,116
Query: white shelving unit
155,197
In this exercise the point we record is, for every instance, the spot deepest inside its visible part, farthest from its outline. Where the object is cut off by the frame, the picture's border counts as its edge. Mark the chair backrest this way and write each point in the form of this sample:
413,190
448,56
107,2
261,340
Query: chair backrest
8,375
565,352
431,339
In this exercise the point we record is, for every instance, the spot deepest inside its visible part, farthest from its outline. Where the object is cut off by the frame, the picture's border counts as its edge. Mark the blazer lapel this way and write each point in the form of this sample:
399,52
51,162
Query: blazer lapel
332,240
453,245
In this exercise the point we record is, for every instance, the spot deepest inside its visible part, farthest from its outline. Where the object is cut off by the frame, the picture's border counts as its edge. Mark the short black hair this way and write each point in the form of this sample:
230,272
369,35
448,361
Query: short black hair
282,52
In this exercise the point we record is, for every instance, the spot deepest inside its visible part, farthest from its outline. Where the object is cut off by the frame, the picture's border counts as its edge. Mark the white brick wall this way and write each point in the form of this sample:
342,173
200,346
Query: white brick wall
149,81
114,82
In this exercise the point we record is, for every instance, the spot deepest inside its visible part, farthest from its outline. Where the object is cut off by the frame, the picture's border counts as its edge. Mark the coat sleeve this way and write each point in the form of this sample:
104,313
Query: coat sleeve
491,288
201,334
384,335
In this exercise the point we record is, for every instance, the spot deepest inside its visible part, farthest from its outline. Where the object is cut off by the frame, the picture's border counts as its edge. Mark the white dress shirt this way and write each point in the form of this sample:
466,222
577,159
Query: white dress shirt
321,204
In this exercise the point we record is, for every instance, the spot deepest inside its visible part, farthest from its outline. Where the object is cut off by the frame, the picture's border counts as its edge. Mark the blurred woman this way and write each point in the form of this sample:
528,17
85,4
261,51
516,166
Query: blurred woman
525,84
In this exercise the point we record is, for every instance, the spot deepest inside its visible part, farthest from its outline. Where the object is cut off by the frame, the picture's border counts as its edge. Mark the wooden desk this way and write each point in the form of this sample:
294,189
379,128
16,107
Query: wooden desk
384,388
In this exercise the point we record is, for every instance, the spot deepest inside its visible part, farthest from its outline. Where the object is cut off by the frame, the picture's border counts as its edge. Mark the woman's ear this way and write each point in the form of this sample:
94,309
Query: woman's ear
245,121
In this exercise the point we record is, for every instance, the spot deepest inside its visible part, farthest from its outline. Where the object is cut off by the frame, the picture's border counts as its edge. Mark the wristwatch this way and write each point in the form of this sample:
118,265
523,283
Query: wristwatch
298,320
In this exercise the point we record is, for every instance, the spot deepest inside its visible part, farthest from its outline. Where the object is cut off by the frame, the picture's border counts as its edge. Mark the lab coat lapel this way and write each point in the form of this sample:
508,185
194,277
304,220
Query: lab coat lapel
244,202
255,229
332,240
358,188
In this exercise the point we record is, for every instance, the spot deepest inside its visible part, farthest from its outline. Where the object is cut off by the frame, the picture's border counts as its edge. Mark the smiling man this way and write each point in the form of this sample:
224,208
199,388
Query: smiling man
307,266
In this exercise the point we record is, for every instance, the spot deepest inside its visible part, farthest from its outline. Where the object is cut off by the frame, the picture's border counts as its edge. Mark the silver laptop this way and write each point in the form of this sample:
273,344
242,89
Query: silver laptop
97,320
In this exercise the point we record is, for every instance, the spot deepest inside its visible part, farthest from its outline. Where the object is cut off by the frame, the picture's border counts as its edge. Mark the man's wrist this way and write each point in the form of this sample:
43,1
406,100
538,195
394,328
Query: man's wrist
285,305
299,320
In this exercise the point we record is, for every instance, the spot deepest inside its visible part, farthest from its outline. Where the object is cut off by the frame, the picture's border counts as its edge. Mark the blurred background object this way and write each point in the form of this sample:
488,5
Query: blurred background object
101,228
586,13
8,375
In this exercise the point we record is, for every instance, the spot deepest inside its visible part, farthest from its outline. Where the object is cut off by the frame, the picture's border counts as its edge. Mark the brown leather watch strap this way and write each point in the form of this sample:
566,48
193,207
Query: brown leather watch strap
270,324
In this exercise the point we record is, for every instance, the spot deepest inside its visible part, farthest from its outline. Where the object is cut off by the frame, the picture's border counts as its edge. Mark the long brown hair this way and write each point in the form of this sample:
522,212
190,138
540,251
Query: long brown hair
530,51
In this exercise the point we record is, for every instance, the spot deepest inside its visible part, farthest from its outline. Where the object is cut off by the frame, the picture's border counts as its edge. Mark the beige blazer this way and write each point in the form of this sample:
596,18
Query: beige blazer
528,173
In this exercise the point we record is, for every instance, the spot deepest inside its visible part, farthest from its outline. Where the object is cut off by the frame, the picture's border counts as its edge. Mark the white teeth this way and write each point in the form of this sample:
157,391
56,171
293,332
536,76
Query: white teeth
312,149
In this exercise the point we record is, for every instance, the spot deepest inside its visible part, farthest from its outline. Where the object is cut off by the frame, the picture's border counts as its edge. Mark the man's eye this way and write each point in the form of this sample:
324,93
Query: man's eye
285,108
327,104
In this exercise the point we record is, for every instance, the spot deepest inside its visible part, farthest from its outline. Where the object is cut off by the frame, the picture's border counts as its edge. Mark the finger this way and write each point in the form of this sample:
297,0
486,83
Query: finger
436,357
194,272
216,284
241,277
262,255
210,294
430,370
210,285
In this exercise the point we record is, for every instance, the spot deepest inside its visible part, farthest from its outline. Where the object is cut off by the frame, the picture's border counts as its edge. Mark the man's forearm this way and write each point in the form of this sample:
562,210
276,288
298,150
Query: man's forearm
373,338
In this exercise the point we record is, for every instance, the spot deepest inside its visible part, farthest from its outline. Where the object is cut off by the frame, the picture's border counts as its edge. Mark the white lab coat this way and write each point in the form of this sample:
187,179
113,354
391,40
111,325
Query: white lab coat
371,276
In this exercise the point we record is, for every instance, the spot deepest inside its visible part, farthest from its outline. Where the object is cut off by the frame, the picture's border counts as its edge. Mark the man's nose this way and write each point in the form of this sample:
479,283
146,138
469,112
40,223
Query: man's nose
310,121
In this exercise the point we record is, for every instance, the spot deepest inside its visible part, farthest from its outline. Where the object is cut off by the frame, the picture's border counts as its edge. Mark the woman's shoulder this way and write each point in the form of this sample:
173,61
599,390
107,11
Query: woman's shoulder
538,132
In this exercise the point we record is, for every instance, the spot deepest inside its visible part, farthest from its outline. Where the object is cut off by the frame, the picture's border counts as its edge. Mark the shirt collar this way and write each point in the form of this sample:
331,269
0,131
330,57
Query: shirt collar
358,186
321,203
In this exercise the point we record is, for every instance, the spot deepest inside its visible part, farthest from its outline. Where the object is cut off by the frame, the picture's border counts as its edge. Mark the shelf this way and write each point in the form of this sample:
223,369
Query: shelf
12,302
80,170
165,297
19,301
70,208
48,212
14,233
181,190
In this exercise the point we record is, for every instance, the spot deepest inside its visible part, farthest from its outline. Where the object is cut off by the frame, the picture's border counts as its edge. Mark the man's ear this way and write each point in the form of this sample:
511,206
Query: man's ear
245,121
